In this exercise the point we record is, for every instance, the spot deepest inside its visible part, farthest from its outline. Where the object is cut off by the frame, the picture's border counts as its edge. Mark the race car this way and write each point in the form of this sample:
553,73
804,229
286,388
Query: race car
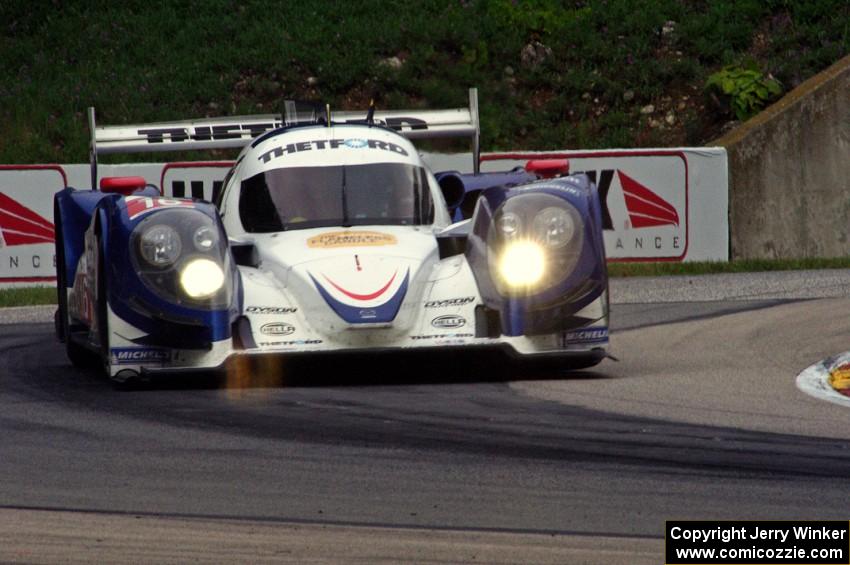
329,235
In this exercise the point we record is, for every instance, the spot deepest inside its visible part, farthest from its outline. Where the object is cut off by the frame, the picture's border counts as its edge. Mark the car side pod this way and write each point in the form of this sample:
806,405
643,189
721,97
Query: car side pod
537,254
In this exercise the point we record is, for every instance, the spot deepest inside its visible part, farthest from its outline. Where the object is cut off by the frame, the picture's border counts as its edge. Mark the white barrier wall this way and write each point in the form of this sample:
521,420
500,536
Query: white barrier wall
658,204
27,253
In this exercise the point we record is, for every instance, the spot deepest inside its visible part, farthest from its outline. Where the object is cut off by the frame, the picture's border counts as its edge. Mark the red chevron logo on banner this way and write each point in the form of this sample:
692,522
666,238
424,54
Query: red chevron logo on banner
21,226
646,209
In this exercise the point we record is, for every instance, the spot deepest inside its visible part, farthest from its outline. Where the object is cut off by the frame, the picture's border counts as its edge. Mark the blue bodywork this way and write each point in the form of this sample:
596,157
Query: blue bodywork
552,309
470,187
356,315
166,322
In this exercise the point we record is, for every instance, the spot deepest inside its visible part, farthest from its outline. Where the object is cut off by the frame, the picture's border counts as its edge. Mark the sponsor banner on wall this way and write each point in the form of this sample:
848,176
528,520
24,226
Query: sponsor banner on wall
26,223
27,250
644,196
658,204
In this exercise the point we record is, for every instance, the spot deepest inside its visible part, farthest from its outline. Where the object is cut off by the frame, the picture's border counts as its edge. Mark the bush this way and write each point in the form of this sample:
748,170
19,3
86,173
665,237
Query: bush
747,90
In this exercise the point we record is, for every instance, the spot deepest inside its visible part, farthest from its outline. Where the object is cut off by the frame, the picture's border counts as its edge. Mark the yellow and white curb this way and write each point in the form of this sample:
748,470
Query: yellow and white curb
828,380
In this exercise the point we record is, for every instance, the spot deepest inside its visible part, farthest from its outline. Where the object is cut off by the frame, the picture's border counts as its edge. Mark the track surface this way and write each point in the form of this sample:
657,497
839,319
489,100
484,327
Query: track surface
700,420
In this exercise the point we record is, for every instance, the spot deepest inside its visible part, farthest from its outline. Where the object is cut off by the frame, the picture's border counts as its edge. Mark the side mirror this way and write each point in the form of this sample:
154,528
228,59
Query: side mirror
453,189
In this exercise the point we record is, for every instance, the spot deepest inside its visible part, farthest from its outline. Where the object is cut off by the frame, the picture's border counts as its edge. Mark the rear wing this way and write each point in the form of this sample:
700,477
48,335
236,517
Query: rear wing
238,131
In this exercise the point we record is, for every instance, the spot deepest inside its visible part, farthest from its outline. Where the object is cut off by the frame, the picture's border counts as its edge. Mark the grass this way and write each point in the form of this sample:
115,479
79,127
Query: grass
41,295
714,267
27,296
601,62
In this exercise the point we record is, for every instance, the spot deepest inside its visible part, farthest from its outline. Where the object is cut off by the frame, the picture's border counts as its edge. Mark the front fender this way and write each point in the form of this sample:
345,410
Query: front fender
541,310
165,321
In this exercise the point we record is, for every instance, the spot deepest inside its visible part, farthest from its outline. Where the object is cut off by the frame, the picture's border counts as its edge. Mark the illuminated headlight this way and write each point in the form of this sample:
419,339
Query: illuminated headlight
201,278
160,245
536,241
182,257
553,227
522,264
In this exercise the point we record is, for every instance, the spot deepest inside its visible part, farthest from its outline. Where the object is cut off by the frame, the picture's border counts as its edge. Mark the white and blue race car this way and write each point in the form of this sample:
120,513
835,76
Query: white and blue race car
329,235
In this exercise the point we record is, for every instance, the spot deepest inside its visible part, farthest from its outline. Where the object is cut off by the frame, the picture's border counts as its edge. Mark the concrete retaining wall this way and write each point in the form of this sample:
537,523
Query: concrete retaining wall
789,173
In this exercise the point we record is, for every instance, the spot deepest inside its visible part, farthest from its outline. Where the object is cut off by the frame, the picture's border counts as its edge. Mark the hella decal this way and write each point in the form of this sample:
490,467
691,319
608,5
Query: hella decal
123,356
278,328
449,322
270,310
324,144
450,302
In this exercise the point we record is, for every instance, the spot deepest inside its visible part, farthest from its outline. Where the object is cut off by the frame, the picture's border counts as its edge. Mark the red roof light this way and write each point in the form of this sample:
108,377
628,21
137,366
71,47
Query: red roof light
548,168
122,185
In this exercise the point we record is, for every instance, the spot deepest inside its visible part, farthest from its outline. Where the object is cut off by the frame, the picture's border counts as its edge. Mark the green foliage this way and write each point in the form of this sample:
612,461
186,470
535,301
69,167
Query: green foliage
138,61
27,296
747,89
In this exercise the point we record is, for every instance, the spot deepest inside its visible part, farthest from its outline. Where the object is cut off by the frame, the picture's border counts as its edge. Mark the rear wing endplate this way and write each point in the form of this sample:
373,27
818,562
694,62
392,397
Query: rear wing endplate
236,132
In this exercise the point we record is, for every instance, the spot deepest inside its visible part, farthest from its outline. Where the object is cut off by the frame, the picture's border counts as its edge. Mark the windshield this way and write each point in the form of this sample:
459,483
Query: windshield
345,195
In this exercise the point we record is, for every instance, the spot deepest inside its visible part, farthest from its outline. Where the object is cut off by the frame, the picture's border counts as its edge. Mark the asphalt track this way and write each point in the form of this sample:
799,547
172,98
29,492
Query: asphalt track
381,460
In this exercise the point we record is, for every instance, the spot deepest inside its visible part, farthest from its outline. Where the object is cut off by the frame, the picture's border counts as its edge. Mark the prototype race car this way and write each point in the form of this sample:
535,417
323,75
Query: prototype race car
329,234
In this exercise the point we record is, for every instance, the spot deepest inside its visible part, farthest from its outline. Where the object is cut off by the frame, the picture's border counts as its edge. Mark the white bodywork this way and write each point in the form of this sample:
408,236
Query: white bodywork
363,287
439,306
361,268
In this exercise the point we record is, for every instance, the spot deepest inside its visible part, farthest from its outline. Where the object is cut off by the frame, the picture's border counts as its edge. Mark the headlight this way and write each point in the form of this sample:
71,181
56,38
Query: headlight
201,278
536,241
553,227
522,264
509,225
160,245
205,238
182,256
